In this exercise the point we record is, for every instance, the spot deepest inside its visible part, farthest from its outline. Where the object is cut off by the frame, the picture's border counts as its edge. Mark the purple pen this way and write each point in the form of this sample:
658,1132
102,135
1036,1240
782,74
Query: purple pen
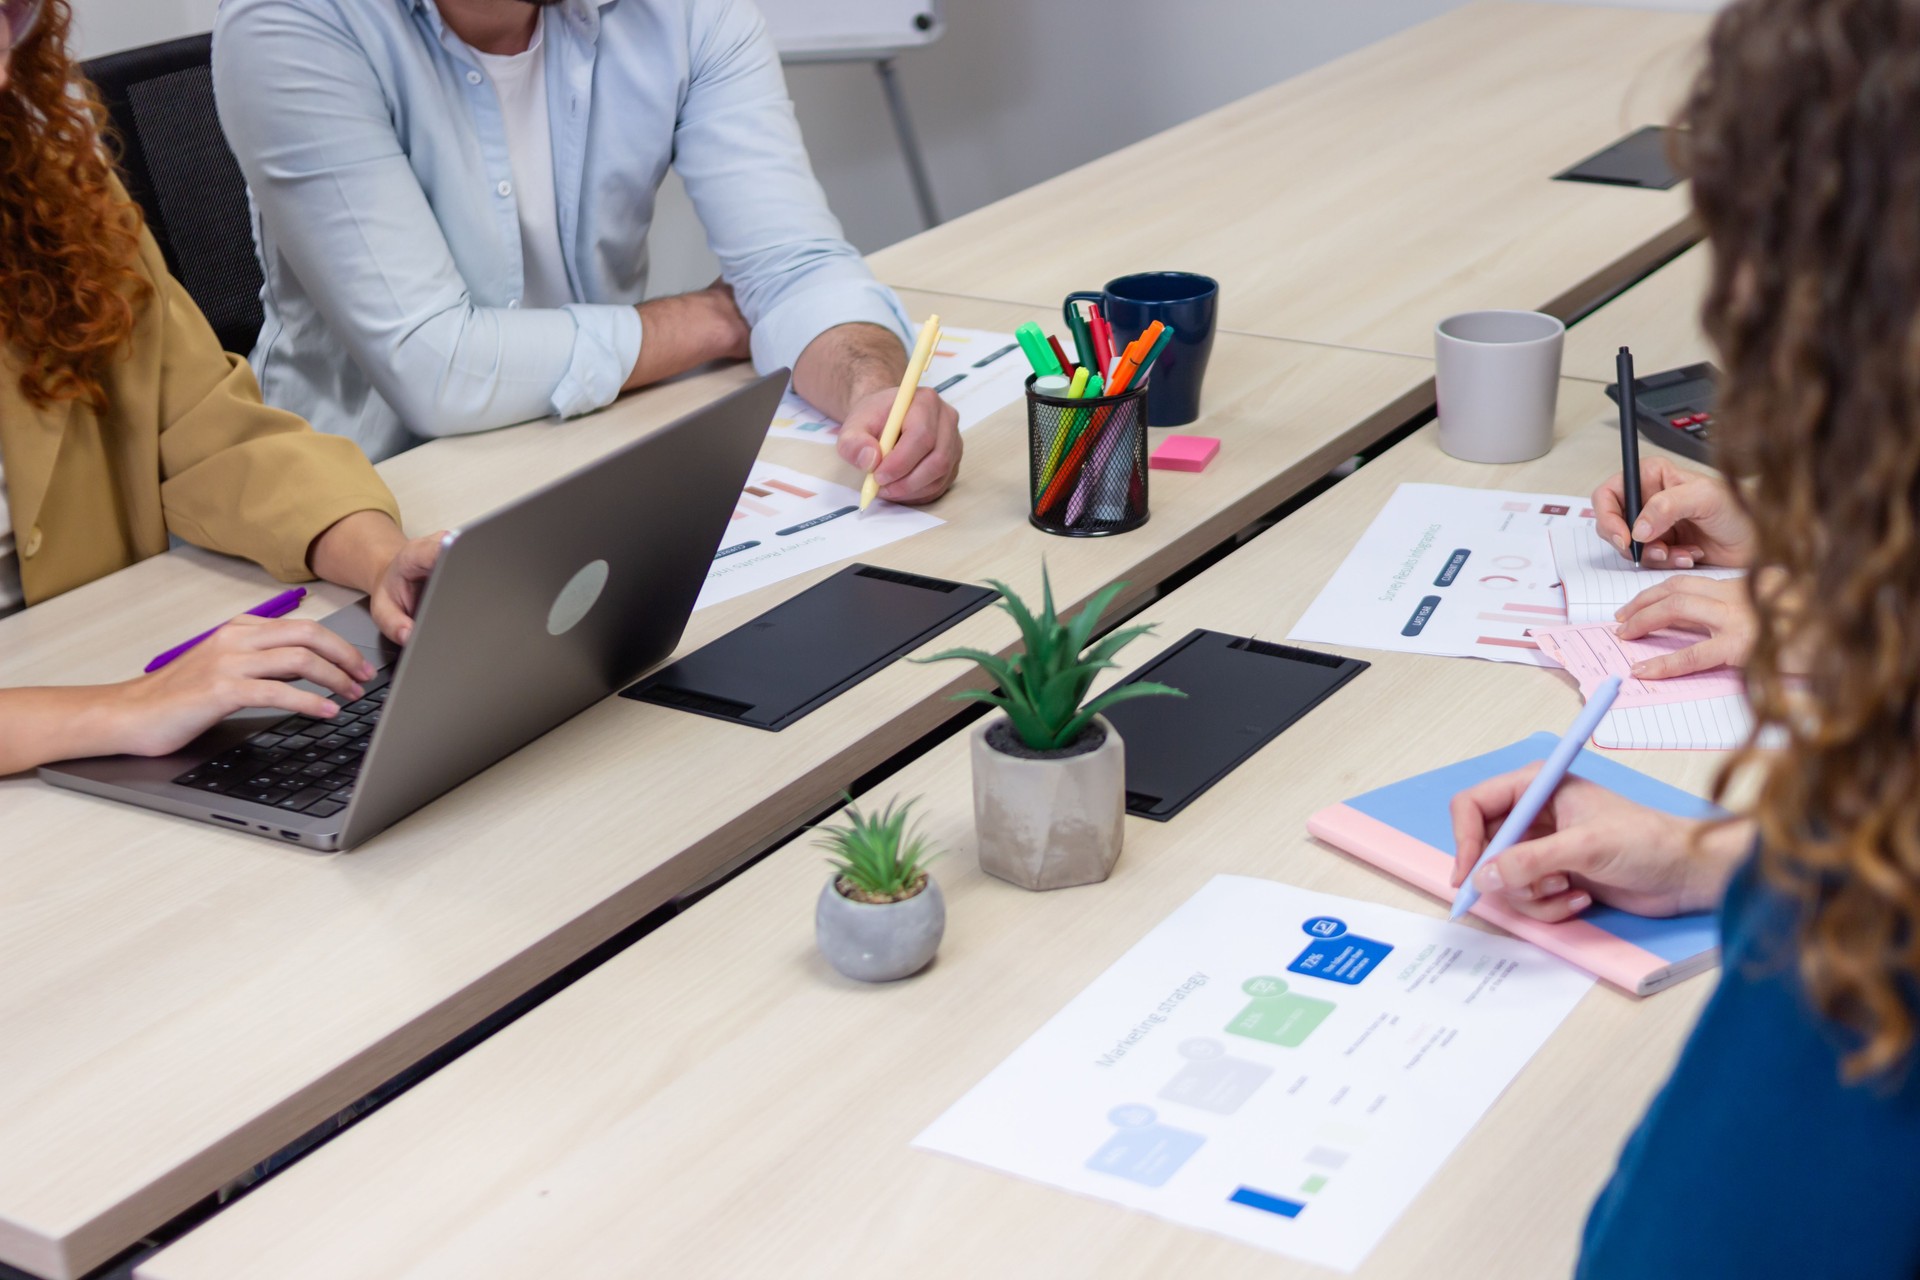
278,607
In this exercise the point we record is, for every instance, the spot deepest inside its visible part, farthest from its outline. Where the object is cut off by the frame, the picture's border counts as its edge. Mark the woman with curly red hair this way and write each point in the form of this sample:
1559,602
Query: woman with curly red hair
122,422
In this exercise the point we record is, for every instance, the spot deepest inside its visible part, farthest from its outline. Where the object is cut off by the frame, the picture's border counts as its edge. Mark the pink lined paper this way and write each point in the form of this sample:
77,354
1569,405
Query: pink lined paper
1593,651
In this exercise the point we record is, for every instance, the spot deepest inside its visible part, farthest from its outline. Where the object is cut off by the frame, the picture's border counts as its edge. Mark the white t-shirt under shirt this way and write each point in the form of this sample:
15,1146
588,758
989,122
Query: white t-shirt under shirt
11,595
520,82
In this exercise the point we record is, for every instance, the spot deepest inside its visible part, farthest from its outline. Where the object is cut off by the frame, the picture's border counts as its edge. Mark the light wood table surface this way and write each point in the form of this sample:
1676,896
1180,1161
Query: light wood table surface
182,1001
1361,202
715,1101
1659,317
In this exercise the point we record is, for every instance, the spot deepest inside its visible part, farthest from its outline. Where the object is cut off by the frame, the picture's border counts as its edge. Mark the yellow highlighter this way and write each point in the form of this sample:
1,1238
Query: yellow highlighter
890,436
1069,423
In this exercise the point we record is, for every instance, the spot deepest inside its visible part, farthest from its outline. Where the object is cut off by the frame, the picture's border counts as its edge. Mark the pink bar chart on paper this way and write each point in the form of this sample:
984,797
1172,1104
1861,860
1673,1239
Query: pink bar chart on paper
787,523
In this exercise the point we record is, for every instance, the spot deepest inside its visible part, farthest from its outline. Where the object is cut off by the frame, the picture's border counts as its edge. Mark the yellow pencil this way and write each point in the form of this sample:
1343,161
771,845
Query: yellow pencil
890,436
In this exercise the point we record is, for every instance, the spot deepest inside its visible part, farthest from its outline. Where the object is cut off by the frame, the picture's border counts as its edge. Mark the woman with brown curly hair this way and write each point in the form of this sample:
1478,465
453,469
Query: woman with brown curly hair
1784,1142
122,422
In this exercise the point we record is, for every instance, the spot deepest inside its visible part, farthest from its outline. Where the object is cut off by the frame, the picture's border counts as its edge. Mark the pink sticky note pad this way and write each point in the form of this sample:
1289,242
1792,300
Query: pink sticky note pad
1184,453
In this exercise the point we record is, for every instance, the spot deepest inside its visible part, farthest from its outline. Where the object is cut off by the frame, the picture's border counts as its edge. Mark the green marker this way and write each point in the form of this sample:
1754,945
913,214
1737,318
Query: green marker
1082,338
1039,354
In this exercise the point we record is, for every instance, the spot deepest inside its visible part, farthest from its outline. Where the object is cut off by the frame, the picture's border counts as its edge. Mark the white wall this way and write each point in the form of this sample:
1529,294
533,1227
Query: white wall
107,26
1015,92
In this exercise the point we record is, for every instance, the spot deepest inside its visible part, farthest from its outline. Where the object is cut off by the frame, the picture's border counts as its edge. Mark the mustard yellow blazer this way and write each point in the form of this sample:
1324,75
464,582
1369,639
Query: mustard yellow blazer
185,447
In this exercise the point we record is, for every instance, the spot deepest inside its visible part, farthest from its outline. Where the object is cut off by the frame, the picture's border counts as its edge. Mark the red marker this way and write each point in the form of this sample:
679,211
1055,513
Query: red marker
1102,340
1061,352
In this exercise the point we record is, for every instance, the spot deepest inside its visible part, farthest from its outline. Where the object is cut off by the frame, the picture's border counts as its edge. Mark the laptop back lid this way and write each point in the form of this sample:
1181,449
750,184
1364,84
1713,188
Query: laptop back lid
555,601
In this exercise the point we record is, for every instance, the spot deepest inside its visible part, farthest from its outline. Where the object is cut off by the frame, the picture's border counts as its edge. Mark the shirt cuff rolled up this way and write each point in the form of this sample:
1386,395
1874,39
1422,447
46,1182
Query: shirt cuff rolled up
784,332
606,345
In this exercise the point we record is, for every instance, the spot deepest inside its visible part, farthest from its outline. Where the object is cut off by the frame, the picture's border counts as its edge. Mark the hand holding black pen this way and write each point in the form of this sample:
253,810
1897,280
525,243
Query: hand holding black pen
1629,444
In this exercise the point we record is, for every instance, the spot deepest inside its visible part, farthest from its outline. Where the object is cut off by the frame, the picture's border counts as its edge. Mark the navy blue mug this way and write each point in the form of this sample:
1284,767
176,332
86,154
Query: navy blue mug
1188,304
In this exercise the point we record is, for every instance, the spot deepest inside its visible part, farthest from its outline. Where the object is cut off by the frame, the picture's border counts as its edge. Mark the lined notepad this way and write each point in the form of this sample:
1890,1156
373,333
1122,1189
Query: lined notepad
1709,724
1703,712
1597,580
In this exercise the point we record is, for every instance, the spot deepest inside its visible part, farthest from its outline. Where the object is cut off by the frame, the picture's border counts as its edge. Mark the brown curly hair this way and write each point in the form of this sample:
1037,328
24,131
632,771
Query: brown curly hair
69,237
1803,142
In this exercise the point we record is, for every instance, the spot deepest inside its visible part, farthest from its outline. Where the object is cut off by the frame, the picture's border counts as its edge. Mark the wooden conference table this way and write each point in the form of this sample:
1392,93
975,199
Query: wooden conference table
716,1101
183,1001
1362,201
1659,318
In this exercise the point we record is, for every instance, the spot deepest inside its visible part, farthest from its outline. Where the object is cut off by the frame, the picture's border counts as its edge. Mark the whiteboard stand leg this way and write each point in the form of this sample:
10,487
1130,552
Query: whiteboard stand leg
909,144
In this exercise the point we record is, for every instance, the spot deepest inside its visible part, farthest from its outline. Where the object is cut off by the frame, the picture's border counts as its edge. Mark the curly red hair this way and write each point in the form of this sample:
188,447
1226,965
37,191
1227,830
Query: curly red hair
69,236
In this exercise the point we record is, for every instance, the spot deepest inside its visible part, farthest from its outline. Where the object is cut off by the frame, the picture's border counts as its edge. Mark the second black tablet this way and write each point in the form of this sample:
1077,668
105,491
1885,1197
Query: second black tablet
1240,695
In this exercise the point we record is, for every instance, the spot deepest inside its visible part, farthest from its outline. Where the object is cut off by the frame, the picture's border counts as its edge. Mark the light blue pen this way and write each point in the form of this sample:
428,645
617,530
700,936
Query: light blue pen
1534,798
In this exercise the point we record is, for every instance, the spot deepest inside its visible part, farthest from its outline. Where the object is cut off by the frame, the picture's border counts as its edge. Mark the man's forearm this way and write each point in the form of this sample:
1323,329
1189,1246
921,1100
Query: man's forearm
684,332
847,362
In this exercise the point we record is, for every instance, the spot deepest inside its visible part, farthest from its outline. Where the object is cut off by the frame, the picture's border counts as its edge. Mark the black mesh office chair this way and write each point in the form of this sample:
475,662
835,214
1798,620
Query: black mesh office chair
176,164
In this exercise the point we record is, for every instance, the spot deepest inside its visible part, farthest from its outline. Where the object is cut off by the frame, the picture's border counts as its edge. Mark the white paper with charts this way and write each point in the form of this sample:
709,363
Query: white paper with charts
976,371
787,523
1283,1067
1462,573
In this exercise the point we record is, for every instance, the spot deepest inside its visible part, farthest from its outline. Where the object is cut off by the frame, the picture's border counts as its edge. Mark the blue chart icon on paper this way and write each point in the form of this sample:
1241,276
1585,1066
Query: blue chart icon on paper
1336,954
1141,1149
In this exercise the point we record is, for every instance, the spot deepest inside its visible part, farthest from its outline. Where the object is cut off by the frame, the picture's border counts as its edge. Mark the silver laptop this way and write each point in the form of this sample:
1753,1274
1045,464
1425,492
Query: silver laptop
533,614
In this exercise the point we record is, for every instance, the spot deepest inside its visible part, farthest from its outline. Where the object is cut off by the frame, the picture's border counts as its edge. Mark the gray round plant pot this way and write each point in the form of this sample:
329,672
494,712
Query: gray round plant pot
879,941
1051,822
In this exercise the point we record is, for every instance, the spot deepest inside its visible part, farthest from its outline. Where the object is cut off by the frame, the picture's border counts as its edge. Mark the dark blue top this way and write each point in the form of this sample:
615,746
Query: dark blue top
1755,1159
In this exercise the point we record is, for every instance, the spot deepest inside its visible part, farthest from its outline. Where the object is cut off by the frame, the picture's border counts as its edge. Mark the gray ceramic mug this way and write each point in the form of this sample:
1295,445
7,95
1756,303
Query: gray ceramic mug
1497,376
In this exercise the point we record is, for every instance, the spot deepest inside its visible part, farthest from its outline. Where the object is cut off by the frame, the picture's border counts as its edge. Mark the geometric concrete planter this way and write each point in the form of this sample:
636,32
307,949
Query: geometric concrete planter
879,941
1048,822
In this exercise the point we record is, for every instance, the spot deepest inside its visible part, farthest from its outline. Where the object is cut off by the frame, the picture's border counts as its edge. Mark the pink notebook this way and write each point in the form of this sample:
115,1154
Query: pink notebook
1405,830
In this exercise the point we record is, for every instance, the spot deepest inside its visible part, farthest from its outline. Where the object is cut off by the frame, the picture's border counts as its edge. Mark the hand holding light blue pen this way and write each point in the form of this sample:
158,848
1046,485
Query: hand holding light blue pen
1535,797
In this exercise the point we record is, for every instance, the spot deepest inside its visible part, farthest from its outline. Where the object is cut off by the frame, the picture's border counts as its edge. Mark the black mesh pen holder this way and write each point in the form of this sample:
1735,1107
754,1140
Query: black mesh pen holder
1087,463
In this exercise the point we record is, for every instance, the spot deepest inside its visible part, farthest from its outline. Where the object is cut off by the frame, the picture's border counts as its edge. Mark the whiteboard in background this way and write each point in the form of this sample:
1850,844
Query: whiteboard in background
827,30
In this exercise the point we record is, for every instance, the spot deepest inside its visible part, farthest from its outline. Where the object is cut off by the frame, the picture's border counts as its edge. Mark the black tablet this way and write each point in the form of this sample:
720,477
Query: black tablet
1637,160
803,653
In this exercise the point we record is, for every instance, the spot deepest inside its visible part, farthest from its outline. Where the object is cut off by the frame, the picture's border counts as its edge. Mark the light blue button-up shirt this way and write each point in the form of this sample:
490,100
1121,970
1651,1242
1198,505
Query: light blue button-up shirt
385,215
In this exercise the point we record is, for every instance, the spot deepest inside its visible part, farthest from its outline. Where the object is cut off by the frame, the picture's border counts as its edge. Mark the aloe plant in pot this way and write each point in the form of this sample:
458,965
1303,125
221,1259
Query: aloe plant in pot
1049,772
880,916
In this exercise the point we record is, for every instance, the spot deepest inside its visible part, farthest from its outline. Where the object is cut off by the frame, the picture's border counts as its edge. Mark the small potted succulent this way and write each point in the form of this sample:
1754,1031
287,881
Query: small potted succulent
1049,772
880,915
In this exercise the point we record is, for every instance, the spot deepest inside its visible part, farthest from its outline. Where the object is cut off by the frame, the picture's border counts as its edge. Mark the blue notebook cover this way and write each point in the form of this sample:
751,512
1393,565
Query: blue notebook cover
1418,807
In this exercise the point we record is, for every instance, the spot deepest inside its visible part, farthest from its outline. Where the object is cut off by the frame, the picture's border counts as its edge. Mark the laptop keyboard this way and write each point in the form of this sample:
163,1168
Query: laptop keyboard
300,765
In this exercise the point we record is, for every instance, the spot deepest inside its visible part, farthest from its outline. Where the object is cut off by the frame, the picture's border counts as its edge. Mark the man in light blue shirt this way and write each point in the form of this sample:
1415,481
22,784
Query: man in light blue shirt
451,200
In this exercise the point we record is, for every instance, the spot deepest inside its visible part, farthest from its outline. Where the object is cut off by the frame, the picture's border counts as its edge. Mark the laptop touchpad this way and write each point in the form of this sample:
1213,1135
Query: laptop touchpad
356,625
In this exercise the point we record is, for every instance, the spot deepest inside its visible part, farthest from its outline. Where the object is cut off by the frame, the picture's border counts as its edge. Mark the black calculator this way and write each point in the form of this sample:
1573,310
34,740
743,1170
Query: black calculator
1675,408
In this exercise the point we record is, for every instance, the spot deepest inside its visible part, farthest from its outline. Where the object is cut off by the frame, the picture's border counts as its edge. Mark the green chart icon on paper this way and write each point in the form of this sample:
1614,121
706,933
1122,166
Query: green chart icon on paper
1276,1015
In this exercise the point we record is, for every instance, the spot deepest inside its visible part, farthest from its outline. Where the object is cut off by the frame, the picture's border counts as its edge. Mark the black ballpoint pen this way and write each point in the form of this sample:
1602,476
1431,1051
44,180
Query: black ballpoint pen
1629,446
